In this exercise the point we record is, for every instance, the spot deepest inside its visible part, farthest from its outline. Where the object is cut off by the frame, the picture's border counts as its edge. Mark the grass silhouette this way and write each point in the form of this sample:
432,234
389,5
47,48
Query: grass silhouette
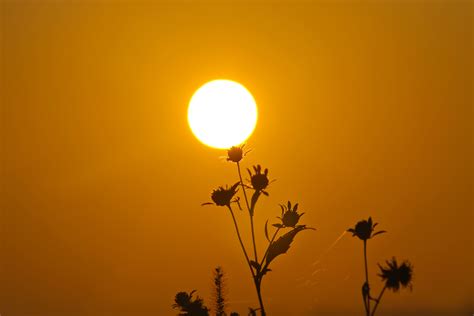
219,292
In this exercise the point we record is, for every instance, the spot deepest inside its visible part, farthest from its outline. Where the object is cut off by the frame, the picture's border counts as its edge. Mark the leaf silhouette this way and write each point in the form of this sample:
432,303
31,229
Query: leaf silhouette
266,230
253,201
379,232
282,244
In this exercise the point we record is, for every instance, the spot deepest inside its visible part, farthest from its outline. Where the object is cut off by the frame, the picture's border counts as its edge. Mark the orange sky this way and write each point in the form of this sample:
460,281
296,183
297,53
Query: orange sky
364,109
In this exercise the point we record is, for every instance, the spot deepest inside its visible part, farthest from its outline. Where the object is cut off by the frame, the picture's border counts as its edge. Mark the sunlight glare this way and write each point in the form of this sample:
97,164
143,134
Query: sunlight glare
222,113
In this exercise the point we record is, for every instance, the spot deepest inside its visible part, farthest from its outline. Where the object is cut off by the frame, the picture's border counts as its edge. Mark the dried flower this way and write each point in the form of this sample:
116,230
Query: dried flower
289,216
235,153
364,229
223,196
259,180
395,276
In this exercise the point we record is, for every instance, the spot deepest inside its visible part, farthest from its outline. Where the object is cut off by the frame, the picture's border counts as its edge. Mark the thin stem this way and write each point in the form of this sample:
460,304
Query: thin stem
251,215
367,298
260,301
255,280
240,240
377,301
268,248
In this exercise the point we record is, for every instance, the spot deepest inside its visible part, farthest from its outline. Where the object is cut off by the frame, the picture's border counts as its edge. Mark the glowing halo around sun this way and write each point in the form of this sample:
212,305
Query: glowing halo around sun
222,114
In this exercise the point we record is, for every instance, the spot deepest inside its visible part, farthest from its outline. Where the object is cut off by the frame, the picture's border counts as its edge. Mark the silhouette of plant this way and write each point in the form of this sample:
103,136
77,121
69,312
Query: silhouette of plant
259,181
219,288
393,275
195,306
189,306
363,230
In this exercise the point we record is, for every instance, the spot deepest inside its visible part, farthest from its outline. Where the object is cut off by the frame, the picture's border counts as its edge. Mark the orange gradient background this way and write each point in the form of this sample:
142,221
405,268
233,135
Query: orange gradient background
365,109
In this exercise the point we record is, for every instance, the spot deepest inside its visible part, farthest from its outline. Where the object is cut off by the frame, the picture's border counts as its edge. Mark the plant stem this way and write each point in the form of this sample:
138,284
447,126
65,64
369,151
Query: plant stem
240,240
268,248
260,301
366,299
377,301
251,215
256,280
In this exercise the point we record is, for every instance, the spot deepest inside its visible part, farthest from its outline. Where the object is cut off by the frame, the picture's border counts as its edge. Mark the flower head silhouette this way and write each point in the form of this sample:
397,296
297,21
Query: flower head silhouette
259,180
396,276
364,229
289,215
235,153
223,196
190,306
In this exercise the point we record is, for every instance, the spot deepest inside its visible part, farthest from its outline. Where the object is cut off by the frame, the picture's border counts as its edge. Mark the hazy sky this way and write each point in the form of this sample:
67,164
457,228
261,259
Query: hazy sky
365,108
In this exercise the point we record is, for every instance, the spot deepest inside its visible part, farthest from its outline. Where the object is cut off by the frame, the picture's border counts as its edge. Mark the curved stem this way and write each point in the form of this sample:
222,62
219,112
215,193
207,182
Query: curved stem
251,215
240,240
377,301
367,298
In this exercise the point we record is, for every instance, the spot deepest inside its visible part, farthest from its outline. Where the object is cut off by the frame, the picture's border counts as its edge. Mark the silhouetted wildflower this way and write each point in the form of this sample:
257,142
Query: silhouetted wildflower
259,180
289,216
364,229
223,196
395,276
235,153
278,245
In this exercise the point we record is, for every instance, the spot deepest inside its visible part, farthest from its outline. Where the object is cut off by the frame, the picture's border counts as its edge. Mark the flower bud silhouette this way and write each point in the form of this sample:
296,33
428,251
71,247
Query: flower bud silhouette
235,153
364,229
259,180
223,196
289,216
396,276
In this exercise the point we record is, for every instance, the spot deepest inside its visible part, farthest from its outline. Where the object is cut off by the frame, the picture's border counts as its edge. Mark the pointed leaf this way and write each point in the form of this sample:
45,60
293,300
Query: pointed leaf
282,209
207,203
266,230
277,225
253,201
282,244
379,232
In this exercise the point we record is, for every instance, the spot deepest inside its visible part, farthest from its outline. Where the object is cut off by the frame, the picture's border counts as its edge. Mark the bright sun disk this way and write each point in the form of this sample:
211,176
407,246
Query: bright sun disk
222,113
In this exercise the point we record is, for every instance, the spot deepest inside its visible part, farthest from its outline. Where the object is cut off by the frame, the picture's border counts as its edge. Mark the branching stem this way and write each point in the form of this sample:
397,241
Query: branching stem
248,209
377,301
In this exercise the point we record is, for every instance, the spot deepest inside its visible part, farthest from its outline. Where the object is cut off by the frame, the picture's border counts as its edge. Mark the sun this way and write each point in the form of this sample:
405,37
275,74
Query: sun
222,113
